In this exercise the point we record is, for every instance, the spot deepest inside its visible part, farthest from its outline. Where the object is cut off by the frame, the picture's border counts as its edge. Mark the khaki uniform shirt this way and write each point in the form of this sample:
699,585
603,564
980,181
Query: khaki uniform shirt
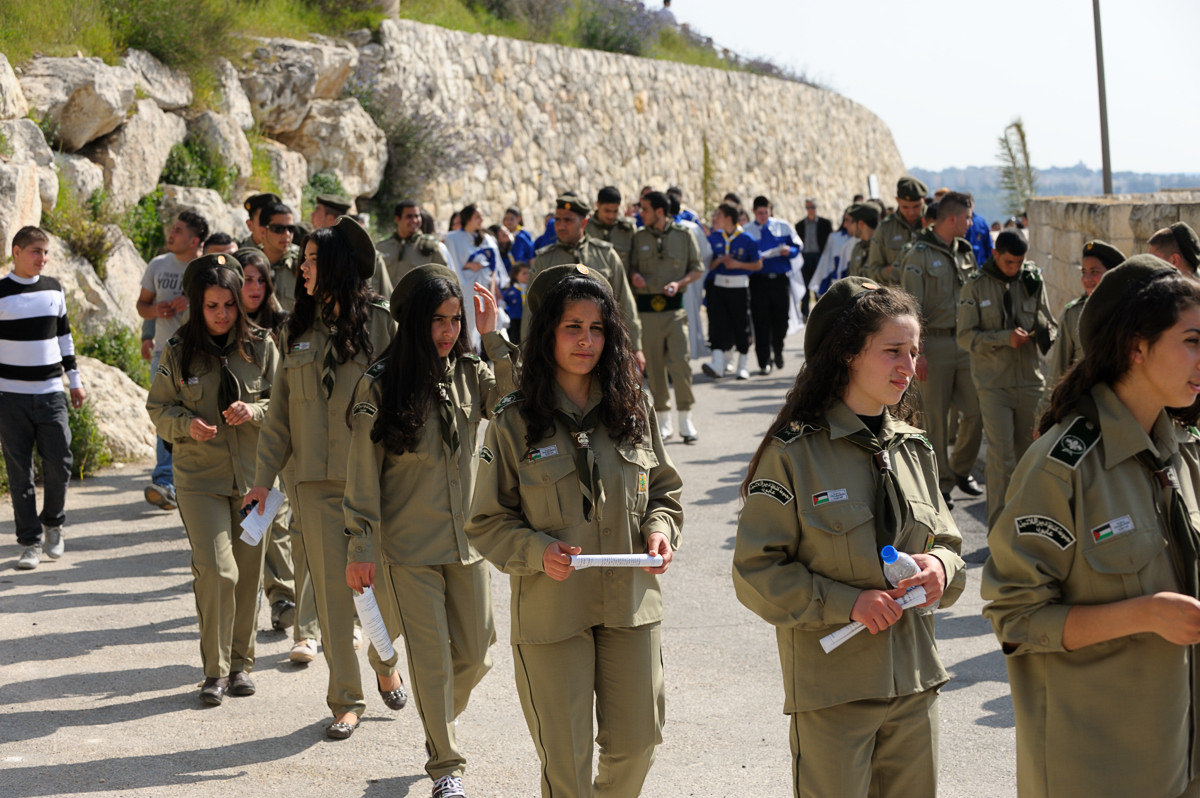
302,424
664,257
225,464
1067,350
883,257
619,234
525,500
984,326
857,266
400,256
806,548
417,502
286,273
934,273
600,257
1084,524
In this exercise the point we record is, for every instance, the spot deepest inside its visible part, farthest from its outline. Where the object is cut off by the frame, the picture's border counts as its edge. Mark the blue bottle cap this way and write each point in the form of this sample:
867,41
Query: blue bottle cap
889,555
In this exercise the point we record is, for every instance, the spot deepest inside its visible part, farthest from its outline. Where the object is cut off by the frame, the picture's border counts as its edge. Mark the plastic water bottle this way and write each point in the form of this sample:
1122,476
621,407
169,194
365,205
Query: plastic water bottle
899,565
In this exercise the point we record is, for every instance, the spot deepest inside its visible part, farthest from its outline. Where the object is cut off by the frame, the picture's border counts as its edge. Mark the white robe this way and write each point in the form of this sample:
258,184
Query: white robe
461,247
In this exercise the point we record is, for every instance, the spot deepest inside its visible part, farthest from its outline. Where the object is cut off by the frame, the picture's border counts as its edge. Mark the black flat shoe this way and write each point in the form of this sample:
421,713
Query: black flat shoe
240,684
395,699
968,485
340,730
214,689
948,500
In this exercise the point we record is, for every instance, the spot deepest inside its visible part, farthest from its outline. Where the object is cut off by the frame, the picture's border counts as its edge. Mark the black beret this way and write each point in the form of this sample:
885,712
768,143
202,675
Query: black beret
410,282
1189,245
362,248
334,202
829,307
608,195
1104,252
864,212
909,188
1117,284
256,202
214,261
573,204
548,278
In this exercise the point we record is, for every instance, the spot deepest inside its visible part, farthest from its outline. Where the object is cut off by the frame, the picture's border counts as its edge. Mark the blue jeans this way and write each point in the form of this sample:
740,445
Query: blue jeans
28,420
163,474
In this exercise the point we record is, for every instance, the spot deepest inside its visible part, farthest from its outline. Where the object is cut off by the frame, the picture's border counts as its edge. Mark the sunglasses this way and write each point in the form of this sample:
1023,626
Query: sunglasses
280,229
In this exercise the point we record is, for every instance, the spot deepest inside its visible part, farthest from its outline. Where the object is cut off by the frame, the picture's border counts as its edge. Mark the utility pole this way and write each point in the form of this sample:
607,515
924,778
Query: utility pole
1107,161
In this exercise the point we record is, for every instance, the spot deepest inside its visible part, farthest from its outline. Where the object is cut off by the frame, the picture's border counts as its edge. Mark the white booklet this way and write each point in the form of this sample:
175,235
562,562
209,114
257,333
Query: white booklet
372,623
254,526
915,597
616,560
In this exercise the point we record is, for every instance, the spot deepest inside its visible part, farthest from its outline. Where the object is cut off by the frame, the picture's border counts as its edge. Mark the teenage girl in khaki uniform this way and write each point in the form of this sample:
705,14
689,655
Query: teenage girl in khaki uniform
411,474
208,398
573,463
1092,576
339,325
841,474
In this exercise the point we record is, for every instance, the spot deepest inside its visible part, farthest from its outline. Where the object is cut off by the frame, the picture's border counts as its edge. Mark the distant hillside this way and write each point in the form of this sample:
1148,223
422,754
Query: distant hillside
1072,181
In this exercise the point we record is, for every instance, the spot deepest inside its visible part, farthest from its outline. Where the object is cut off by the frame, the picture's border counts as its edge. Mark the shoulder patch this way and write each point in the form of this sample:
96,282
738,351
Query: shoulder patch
769,487
364,409
427,245
1072,445
625,224
261,333
163,370
173,340
1076,301
485,454
921,438
1195,433
1045,527
377,369
794,430
382,304
471,357
511,399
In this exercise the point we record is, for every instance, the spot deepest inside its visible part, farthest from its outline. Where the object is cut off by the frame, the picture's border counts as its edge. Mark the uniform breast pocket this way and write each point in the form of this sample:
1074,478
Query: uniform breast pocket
254,389
550,494
638,463
1127,564
841,539
991,315
191,394
302,373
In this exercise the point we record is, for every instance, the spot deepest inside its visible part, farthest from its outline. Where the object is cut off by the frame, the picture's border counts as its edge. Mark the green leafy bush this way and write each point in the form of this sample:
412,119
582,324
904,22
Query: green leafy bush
320,183
118,346
141,225
197,165
81,226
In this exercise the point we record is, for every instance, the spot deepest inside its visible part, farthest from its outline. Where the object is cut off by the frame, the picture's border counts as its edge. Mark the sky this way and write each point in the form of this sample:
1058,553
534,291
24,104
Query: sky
948,77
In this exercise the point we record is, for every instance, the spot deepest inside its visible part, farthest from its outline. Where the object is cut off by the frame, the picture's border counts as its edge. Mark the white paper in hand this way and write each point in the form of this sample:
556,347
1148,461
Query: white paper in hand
616,560
372,623
254,526
913,598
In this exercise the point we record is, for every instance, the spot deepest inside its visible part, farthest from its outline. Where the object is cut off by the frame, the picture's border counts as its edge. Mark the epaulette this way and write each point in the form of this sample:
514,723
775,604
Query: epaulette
260,333
471,357
427,244
377,368
1076,301
678,226
1031,278
625,224
793,430
599,243
382,304
975,275
173,340
511,399
1078,439
916,436
545,250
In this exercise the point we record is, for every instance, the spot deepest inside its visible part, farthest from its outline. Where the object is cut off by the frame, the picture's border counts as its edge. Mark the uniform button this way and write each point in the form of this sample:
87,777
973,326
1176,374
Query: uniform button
608,532
458,516
1045,640
454,483
608,572
545,477
837,526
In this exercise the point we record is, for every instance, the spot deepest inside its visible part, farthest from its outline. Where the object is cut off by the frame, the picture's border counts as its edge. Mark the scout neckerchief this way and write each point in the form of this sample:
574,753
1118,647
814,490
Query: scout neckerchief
446,405
403,246
990,268
586,467
227,390
891,510
1183,538
329,361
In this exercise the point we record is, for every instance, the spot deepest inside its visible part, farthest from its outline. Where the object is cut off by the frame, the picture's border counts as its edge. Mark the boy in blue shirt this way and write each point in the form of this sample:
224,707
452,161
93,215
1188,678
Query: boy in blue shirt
735,258
514,299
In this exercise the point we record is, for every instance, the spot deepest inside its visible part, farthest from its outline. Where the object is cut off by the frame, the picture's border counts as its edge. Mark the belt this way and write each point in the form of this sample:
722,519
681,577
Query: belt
950,333
657,303
731,280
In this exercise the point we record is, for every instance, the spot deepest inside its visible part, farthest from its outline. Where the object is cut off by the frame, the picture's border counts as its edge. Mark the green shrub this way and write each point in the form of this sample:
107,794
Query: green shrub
141,225
261,176
81,226
192,163
320,183
6,147
118,346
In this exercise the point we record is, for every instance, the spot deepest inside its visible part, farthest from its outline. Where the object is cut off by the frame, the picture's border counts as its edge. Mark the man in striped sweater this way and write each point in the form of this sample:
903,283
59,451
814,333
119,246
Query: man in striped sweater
35,351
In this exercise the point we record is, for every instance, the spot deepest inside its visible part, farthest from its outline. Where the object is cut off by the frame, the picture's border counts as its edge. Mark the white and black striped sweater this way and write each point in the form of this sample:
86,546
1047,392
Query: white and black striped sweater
35,336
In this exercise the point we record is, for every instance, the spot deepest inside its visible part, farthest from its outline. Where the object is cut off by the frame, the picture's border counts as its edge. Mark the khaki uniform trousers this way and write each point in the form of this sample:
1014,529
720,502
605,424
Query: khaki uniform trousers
226,573
325,550
621,668
278,573
874,748
949,389
445,615
666,346
1008,419
305,627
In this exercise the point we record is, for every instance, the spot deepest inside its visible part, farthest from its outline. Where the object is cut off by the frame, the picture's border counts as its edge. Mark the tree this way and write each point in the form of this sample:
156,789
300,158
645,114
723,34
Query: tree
1017,177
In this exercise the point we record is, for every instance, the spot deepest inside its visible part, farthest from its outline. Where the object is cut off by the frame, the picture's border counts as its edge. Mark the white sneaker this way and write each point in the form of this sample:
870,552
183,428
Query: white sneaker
743,367
304,650
52,540
717,369
30,557
448,787
687,429
665,430
729,361
357,638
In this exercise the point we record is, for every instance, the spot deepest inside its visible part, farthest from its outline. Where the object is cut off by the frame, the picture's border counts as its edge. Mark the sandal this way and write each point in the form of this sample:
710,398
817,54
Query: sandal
340,730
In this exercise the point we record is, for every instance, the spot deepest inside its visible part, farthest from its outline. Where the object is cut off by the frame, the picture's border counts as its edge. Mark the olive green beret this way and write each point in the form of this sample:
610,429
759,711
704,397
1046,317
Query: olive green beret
829,307
416,278
214,261
864,212
574,204
1117,284
1104,252
1189,244
334,202
548,278
909,188
256,202
362,248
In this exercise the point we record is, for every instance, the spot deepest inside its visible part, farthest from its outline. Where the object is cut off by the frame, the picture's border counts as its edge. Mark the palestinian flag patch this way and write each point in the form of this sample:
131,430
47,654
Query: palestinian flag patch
1117,526
827,496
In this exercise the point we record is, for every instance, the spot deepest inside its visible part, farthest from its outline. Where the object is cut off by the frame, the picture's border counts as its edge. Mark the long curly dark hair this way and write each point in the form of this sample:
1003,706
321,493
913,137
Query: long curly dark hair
194,334
338,286
824,379
1147,312
622,410
414,369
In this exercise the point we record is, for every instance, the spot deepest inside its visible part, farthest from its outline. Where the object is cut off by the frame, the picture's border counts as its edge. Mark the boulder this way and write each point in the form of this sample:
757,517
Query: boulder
170,88
338,136
284,75
123,272
81,177
119,406
79,99
29,146
90,303
231,99
222,135
20,201
12,99
134,156
221,217
288,170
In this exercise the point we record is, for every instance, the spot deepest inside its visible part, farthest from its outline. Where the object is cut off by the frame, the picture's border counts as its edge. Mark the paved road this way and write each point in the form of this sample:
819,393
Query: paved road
99,665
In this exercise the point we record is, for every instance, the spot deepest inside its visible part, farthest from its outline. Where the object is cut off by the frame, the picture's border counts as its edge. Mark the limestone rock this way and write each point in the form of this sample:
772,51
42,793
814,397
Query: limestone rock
12,99
221,217
285,75
47,187
119,406
80,98
232,99
170,88
82,177
288,169
134,156
124,270
338,136
27,142
20,201
222,135
89,301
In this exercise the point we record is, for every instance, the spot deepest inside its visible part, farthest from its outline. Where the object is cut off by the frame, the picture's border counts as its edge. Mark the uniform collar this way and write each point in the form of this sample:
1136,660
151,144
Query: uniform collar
843,421
1123,437
562,403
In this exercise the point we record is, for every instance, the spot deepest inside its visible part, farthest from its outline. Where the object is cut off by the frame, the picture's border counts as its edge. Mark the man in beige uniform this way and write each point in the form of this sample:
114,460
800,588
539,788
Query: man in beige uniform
1003,320
609,226
934,270
665,260
1179,246
326,211
279,231
864,219
897,230
253,205
408,247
